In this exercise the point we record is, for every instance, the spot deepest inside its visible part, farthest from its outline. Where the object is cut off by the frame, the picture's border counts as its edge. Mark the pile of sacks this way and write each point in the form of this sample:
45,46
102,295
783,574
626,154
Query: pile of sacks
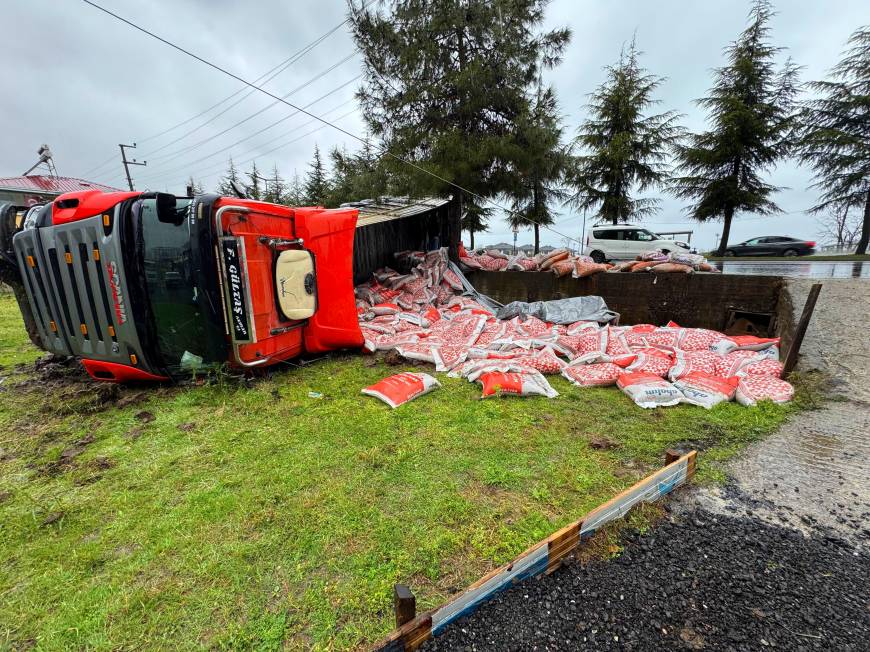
559,261
658,262
427,315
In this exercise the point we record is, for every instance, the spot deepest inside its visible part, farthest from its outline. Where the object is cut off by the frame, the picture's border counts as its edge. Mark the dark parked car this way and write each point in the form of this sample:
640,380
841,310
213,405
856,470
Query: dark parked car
773,245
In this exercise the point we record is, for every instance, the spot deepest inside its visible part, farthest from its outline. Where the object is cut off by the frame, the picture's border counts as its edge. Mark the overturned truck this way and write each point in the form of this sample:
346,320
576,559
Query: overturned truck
149,286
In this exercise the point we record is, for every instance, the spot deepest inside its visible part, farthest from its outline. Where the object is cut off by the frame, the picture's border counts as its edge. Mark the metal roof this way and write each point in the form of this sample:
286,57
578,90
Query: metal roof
385,209
50,185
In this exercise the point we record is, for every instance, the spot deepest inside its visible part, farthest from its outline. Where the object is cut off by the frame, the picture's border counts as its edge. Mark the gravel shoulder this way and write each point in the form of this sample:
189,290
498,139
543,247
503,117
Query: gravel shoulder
699,580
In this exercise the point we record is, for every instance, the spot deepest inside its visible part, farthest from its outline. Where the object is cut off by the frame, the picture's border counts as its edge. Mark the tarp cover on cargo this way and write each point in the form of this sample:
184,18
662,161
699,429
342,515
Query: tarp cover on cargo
561,311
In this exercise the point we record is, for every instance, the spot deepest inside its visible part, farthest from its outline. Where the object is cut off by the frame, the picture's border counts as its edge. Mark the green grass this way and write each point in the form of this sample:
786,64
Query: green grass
261,518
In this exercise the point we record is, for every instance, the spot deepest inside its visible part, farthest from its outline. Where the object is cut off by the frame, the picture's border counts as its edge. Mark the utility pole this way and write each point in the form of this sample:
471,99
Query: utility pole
127,163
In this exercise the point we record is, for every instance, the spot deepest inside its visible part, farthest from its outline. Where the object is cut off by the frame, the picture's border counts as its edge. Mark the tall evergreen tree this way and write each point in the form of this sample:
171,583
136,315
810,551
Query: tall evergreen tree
276,189
835,138
541,167
253,187
295,194
316,187
622,150
445,82
194,186
356,176
232,175
751,116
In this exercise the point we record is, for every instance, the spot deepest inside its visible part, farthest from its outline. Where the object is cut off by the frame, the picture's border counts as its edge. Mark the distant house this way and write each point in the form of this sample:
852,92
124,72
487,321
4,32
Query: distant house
38,189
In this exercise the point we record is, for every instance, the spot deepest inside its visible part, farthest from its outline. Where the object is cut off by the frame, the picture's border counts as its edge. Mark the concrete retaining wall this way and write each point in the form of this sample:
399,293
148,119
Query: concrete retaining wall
693,300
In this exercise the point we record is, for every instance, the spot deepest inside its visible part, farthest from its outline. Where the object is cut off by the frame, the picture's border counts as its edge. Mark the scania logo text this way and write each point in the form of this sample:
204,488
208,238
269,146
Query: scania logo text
117,295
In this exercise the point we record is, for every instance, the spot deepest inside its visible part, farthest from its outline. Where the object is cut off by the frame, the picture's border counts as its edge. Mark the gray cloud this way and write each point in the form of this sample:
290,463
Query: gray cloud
83,83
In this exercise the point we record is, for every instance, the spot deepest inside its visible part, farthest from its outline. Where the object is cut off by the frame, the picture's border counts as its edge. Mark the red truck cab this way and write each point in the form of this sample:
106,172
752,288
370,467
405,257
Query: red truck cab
149,286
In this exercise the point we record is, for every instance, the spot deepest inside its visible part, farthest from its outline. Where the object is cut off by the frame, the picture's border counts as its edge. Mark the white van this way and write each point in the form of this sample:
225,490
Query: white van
624,242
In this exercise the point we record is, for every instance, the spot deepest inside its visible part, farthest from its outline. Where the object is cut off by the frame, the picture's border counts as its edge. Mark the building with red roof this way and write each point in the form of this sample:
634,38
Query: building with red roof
37,189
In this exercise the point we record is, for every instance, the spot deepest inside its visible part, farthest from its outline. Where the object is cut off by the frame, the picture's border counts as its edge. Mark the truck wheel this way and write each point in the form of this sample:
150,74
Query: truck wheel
790,252
597,256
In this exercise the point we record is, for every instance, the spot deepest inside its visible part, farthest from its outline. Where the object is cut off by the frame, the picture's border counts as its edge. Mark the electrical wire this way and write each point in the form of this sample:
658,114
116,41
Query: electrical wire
258,150
186,168
262,79
184,150
354,136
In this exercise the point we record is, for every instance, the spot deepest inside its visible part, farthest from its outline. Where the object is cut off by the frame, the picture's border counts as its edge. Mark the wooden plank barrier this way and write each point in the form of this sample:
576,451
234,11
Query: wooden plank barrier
543,557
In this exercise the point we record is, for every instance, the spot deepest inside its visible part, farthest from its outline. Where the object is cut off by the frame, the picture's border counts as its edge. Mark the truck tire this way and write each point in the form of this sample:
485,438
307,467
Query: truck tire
598,256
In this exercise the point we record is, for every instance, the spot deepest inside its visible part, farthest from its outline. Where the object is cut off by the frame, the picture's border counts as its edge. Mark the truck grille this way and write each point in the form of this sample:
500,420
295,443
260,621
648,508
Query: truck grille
69,288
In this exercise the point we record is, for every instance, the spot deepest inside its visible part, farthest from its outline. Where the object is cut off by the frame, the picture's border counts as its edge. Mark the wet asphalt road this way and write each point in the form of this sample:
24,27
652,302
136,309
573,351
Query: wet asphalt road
798,268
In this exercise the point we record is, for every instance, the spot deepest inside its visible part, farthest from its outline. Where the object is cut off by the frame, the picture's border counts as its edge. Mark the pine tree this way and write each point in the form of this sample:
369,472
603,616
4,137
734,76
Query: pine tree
445,84
835,137
541,169
623,150
751,115
194,186
295,195
232,175
253,187
475,218
276,189
316,185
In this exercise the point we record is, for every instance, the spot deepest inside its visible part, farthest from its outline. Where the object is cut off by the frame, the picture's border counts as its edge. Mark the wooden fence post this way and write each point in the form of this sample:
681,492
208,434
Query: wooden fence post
671,456
404,604
801,330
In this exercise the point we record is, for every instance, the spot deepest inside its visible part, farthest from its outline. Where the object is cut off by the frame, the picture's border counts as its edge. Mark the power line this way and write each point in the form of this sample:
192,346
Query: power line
262,79
233,105
258,150
257,133
277,147
184,150
384,150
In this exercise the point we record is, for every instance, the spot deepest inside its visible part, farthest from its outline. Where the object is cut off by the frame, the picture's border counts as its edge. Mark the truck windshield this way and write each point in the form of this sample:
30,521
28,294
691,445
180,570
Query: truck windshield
188,336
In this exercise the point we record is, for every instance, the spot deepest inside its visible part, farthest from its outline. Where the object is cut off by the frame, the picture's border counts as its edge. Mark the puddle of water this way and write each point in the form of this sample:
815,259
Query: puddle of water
808,269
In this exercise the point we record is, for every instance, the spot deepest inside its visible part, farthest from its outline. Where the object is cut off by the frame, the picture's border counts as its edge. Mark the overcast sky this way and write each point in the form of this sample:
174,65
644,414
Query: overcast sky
83,82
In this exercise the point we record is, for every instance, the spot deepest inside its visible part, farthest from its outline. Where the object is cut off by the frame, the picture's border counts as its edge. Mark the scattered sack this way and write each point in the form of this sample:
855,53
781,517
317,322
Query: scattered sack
583,269
765,367
600,374
401,388
685,258
759,388
744,343
653,255
624,266
526,383
649,390
731,364
644,265
385,309
703,389
671,267
687,362
651,361
562,267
